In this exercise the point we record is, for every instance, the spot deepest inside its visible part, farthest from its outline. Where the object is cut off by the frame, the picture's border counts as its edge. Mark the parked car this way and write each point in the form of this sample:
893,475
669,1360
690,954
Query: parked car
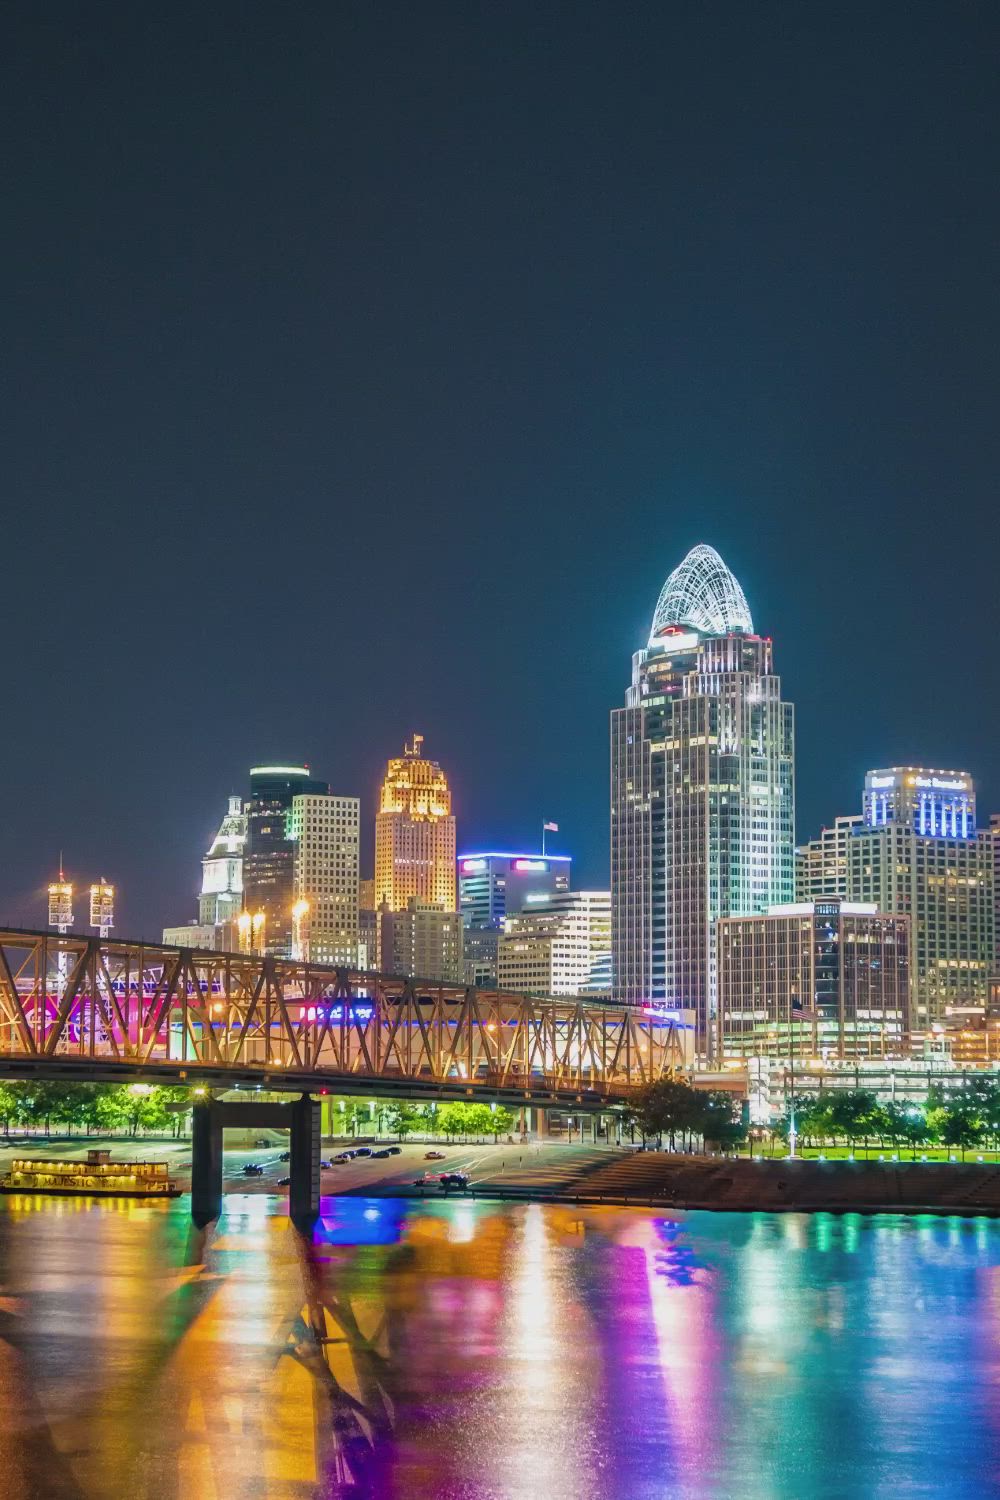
285,1156
284,1181
394,1150
261,1141
457,1180
429,1179
252,1169
325,1164
378,1155
434,1156
363,1151
344,1156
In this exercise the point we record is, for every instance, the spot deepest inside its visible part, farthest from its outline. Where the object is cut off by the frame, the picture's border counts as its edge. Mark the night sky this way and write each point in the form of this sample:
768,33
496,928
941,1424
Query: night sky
368,367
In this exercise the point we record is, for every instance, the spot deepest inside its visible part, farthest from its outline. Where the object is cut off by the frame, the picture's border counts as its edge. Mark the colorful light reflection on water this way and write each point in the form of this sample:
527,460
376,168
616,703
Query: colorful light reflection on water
469,1351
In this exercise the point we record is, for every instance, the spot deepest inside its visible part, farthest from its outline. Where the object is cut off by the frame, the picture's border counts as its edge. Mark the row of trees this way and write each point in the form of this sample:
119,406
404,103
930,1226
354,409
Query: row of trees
957,1119
399,1118
108,1109
101,1108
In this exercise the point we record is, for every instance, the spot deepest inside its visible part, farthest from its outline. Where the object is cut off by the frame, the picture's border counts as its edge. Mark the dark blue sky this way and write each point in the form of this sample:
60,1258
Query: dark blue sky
368,366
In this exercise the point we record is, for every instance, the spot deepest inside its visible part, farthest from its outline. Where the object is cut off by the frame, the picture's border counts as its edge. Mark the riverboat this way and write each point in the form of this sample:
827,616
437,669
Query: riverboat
98,1176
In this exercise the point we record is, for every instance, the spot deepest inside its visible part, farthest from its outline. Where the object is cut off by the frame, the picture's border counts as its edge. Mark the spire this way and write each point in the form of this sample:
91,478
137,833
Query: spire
703,594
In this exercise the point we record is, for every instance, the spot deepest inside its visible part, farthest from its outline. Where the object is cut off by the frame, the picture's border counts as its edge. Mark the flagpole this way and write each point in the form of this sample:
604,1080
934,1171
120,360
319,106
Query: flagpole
543,840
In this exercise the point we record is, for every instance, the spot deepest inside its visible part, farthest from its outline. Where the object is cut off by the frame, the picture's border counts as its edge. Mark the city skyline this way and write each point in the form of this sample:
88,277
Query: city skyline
28,906
517,376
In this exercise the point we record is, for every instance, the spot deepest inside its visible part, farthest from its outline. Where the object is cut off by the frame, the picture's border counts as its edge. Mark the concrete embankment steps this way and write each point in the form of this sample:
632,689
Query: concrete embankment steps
741,1185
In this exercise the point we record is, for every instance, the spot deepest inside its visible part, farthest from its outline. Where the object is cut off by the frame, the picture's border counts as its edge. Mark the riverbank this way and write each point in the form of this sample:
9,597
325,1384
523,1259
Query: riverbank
660,1179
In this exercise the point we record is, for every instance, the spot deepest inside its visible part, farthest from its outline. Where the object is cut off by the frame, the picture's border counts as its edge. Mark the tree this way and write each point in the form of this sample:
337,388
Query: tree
668,1107
852,1113
722,1120
961,1129
453,1119
402,1118
10,1103
503,1122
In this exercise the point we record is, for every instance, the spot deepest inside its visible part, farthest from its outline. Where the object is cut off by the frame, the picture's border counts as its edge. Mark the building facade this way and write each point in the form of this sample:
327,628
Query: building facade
814,980
269,853
325,831
702,792
562,946
414,835
821,866
197,935
919,853
492,886
422,940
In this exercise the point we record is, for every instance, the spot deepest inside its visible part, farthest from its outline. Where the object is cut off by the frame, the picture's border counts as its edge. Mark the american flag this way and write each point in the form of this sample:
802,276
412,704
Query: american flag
550,827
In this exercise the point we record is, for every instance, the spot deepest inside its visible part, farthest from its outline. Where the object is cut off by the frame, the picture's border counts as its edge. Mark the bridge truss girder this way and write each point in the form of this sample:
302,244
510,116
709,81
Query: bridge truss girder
103,1007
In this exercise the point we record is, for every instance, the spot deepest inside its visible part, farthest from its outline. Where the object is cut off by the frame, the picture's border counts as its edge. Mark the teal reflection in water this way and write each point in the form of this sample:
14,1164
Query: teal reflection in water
469,1351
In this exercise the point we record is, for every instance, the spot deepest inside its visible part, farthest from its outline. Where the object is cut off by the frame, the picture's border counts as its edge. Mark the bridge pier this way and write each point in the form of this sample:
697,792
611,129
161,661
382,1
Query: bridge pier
206,1164
540,1121
303,1192
302,1119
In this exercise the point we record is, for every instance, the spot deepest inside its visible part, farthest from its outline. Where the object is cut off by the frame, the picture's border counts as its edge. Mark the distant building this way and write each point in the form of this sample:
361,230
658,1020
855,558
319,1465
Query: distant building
221,898
414,836
194,935
422,940
918,853
821,866
559,947
702,791
481,945
367,925
325,833
814,980
493,886
269,854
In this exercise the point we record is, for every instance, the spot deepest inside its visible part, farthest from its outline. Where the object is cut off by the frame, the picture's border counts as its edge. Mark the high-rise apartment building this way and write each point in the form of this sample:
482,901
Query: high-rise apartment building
269,854
414,834
422,940
325,833
702,792
821,865
561,946
814,980
918,853
221,898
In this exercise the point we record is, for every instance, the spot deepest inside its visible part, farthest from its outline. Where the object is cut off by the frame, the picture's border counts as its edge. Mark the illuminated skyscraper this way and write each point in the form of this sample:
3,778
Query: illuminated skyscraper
326,833
918,852
269,854
414,834
702,792
221,898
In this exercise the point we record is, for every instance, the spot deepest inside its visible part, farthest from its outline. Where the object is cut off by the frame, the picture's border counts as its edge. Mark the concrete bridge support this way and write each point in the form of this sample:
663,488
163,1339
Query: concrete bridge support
302,1118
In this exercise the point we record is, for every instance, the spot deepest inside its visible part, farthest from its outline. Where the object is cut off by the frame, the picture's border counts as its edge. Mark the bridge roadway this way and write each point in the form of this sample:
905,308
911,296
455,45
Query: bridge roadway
75,1006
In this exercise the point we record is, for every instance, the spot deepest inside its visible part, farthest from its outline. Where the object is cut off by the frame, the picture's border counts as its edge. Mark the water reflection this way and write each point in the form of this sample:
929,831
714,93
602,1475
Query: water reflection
489,1352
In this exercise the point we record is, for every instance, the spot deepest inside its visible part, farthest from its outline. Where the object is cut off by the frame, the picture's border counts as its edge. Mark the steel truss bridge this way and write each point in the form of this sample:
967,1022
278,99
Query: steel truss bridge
105,1009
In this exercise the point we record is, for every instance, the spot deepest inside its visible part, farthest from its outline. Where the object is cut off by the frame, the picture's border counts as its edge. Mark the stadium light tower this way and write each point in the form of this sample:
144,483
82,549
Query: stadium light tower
102,907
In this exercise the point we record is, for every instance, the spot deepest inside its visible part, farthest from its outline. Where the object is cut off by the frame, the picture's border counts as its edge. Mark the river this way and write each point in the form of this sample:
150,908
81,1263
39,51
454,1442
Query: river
469,1351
